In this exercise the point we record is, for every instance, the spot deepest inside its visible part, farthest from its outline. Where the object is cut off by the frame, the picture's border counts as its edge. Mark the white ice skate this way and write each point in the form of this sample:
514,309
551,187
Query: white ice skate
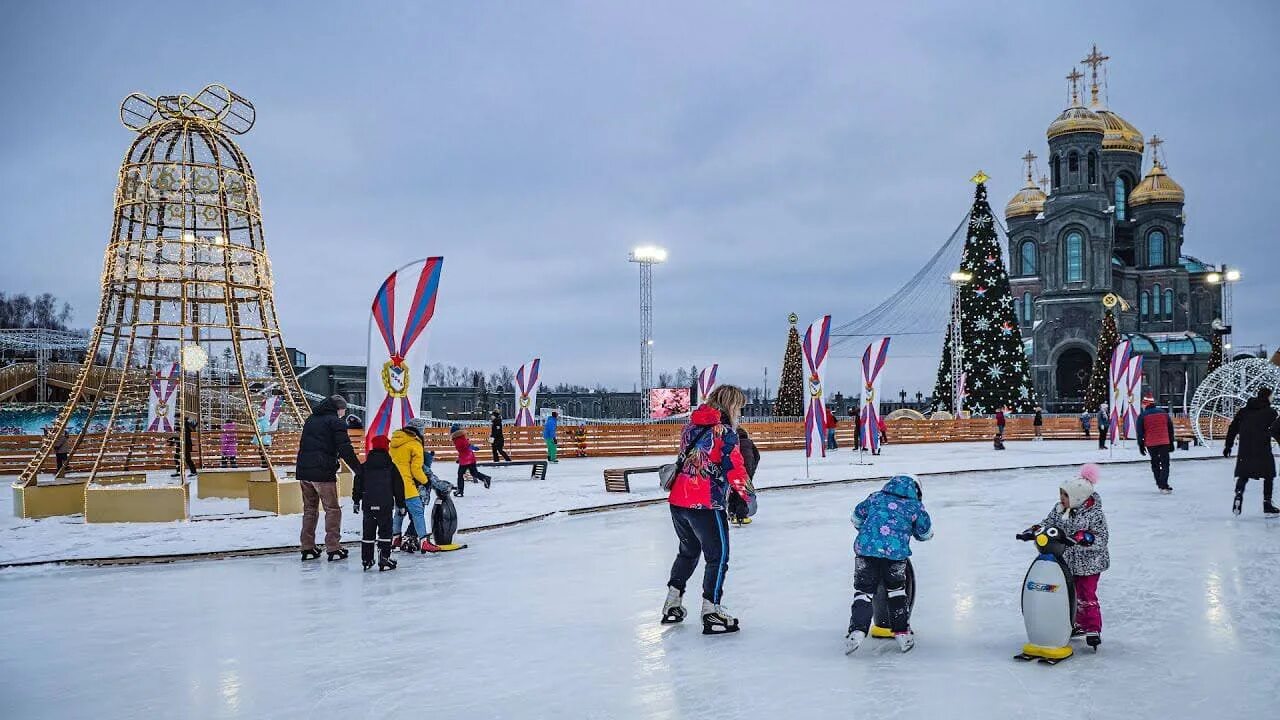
906,640
853,641
716,619
672,609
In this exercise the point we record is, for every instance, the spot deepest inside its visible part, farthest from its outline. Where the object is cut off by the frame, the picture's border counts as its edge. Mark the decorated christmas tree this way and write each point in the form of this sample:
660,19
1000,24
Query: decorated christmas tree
1100,380
790,402
995,365
1215,352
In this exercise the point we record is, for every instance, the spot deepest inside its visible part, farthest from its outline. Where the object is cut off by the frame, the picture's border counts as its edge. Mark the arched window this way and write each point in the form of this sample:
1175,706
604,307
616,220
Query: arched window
1074,257
1168,304
1093,168
1155,248
1144,305
1073,163
1028,252
1028,307
1156,297
1122,197
1056,164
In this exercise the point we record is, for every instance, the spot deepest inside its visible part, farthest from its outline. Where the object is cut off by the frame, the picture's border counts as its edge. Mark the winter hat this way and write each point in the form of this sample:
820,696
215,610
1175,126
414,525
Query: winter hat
379,442
1148,401
417,426
1078,489
454,428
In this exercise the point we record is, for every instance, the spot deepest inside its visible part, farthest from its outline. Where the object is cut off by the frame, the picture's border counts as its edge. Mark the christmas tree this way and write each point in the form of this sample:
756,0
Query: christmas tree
995,365
790,402
1215,352
1099,389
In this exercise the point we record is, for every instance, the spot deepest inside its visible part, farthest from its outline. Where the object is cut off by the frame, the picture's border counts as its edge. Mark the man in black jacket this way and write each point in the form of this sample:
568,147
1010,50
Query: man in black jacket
1256,424
324,440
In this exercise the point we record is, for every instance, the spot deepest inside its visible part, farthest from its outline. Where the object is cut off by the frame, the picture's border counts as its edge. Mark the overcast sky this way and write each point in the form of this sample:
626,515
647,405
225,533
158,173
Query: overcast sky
803,157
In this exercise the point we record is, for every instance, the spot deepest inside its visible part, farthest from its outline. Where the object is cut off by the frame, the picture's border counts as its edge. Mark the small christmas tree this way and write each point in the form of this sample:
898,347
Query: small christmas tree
1215,352
995,363
1099,389
790,402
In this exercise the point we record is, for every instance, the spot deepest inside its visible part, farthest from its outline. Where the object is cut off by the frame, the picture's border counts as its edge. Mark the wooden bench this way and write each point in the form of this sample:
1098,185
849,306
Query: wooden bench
539,471
619,479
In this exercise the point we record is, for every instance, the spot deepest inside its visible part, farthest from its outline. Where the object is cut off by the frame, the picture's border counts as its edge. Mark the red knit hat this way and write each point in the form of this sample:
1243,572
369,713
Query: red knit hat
1148,401
379,442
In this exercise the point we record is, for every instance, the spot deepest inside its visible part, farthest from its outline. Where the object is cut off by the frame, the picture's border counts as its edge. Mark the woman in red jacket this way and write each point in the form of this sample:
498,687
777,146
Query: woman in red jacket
712,469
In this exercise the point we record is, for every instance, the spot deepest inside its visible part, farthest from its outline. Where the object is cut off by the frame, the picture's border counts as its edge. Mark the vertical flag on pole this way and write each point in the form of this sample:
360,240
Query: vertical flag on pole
1133,400
815,348
869,416
707,381
527,393
1118,387
162,401
402,309
271,407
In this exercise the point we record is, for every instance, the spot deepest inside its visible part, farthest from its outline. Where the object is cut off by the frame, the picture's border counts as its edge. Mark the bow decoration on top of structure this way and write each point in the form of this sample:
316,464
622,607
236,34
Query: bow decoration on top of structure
213,105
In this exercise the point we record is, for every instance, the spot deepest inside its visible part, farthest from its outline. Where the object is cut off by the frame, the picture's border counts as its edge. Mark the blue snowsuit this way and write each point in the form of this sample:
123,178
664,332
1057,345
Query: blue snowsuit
887,521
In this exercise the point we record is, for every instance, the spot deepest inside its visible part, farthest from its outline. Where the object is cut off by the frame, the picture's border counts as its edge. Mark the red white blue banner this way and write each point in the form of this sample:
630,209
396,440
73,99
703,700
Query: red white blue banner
527,393
162,400
815,346
1118,388
270,412
402,309
707,381
873,359
1133,399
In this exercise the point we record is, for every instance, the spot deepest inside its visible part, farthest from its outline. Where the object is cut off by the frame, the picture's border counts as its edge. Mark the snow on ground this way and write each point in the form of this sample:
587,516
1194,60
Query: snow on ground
225,524
559,619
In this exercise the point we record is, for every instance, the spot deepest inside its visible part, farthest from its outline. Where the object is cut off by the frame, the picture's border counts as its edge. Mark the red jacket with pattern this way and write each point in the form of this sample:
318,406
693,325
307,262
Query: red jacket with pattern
711,468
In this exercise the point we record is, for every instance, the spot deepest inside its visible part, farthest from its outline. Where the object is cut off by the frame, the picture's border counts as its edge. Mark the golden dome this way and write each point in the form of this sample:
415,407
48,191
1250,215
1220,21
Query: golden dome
1119,134
1028,201
1074,119
1157,187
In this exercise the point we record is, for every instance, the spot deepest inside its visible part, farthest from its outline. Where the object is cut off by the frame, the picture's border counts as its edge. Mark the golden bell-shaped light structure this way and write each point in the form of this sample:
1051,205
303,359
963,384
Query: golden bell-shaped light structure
187,299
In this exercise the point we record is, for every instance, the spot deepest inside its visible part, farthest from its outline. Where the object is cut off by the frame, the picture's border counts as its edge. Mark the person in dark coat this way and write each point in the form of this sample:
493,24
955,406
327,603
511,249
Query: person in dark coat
737,509
1256,425
1155,438
496,438
324,440
380,489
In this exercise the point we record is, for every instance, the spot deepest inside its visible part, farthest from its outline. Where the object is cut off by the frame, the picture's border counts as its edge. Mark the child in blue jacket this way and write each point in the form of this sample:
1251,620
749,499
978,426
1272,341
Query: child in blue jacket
886,522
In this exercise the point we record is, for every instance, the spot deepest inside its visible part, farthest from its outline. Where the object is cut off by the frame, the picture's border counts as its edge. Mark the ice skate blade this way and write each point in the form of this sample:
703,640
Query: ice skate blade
673,616
710,628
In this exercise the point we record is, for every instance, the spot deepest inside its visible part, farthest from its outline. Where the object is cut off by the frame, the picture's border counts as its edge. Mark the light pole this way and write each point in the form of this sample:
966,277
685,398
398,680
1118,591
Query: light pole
1226,278
646,256
957,341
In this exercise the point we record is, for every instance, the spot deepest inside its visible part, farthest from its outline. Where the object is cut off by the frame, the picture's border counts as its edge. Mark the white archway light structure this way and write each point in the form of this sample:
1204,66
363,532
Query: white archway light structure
1225,391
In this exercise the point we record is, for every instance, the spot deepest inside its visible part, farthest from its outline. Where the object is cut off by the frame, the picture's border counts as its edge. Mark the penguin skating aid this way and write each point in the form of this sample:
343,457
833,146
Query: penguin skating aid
1048,598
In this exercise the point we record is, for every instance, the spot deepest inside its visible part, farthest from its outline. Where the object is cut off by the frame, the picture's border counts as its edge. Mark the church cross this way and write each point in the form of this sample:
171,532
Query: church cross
1029,158
1094,60
1074,77
1154,143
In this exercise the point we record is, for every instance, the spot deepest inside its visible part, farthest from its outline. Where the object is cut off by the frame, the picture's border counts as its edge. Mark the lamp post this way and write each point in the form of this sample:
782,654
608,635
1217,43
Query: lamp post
1226,278
646,256
958,279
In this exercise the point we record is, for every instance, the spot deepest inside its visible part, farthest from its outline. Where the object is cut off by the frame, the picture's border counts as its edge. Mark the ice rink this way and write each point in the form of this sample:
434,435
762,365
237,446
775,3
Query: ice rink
559,619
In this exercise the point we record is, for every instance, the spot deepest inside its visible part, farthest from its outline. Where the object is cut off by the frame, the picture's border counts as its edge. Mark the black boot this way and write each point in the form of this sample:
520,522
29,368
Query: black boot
311,554
1238,504
386,563
339,554
1268,484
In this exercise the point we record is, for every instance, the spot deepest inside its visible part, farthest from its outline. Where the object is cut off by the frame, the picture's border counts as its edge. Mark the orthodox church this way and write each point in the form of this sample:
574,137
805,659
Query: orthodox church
1097,229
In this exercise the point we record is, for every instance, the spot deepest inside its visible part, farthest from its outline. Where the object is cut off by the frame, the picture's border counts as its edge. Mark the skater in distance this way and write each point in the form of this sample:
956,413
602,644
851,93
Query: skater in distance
710,467
1255,425
466,460
1155,439
887,520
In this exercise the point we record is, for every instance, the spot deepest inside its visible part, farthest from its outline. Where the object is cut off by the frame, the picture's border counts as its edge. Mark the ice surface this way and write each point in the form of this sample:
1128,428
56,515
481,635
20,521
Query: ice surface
220,524
559,619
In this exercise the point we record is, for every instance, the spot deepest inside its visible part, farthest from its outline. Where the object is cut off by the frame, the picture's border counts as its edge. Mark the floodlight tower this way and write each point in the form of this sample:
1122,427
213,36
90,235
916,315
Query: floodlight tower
958,279
1225,279
646,256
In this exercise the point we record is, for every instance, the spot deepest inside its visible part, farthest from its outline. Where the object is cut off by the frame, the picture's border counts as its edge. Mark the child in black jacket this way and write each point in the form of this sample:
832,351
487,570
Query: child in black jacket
750,461
381,489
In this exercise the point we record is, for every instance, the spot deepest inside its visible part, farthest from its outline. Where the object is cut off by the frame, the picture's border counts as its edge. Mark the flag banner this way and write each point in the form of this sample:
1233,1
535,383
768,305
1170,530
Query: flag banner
527,393
1117,388
1133,397
402,309
270,412
815,346
869,416
162,400
707,381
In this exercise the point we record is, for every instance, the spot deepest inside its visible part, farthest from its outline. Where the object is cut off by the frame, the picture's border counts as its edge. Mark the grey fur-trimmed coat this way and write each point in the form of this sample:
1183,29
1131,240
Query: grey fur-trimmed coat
1084,560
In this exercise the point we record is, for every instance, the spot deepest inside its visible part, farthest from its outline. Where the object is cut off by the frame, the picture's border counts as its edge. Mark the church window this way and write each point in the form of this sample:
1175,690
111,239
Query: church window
1075,258
1168,304
1156,297
1093,168
1028,251
1122,196
1073,163
1144,305
1155,248
1027,307
1057,171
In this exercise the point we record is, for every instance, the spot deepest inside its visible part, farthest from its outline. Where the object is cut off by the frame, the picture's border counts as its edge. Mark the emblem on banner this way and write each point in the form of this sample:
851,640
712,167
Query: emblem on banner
395,378
524,401
815,385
